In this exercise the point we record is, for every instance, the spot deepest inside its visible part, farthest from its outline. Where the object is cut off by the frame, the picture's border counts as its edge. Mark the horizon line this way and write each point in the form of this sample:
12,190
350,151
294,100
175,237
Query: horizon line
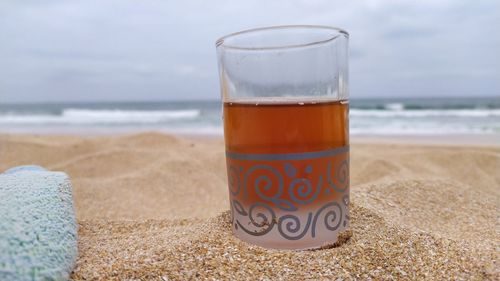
219,100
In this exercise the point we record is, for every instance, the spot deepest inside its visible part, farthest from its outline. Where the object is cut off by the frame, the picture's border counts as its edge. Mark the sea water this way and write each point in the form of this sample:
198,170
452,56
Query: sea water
367,117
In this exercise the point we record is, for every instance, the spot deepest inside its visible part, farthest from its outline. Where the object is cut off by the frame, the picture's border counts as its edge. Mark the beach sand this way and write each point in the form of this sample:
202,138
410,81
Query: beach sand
154,206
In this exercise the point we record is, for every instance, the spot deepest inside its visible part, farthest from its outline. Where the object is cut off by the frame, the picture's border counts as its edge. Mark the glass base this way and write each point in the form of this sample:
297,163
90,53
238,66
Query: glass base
297,230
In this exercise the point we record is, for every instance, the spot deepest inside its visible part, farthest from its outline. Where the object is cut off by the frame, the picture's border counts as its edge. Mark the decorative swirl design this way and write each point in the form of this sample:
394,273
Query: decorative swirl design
268,182
234,180
265,225
341,174
231,208
304,189
293,226
239,208
289,226
264,183
282,190
329,223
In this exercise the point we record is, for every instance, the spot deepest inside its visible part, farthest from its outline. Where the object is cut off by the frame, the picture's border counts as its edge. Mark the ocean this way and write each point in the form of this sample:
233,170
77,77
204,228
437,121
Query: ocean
367,117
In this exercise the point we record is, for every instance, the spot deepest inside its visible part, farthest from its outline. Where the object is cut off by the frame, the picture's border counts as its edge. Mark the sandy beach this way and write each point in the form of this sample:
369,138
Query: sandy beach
153,206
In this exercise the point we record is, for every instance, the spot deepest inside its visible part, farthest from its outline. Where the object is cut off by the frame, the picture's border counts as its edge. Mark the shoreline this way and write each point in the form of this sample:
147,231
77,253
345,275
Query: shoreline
459,139
482,140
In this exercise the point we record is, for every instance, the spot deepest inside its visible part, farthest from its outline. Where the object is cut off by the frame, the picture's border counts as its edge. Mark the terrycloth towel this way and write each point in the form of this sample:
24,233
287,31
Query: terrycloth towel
38,230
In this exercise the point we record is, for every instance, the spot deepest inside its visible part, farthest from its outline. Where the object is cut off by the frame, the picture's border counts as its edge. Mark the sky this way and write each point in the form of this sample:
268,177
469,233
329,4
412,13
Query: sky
157,50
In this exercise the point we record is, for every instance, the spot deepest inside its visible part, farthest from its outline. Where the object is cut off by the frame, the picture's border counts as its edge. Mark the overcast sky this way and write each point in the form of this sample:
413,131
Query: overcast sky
94,50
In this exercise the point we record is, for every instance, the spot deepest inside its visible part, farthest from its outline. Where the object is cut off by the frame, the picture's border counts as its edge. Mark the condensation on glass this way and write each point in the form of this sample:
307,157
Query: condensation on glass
286,128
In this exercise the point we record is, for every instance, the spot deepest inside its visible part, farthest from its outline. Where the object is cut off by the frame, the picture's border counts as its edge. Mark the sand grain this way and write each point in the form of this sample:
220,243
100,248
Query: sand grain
152,206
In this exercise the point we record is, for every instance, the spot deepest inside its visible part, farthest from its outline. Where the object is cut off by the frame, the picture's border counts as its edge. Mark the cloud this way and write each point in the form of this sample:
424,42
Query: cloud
407,32
129,50
187,70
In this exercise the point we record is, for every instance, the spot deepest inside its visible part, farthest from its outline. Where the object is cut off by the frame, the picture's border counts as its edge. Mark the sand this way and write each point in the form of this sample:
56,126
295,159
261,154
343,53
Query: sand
153,206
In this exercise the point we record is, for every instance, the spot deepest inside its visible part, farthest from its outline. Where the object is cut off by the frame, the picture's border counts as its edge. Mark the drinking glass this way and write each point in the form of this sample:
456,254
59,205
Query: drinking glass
286,130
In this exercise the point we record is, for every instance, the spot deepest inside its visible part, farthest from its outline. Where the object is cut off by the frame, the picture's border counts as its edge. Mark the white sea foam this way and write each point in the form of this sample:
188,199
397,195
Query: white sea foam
426,113
205,118
395,106
428,129
96,116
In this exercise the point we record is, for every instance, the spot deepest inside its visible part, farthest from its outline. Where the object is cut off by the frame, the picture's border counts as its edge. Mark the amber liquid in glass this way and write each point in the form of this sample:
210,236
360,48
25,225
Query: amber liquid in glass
286,127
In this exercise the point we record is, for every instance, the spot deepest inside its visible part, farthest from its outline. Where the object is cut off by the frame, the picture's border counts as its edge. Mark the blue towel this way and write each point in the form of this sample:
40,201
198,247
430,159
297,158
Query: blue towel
38,230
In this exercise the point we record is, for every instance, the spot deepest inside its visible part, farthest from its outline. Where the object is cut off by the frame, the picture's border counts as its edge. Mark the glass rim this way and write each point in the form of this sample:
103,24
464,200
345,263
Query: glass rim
338,32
